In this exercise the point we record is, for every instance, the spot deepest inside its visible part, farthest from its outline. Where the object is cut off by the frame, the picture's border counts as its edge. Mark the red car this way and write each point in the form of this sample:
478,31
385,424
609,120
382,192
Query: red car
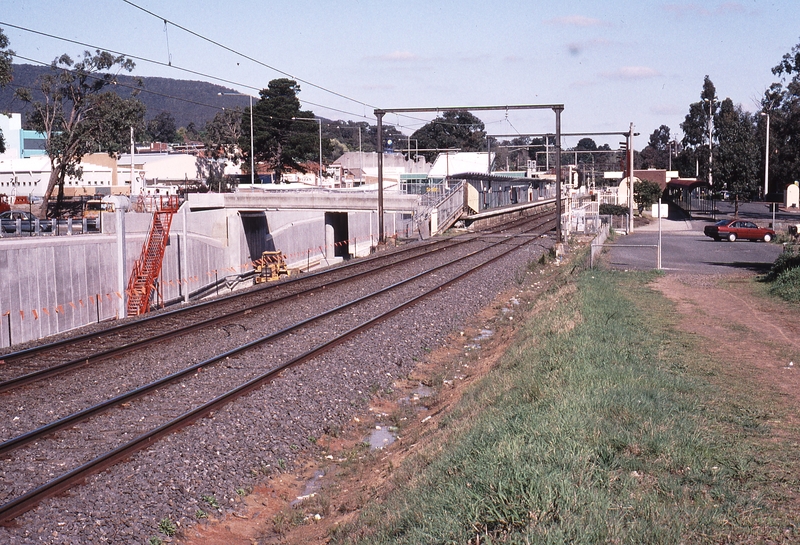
732,229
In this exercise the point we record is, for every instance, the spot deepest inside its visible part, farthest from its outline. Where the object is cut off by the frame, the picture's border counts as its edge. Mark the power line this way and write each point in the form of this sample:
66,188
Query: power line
156,93
226,48
201,74
166,65
235,52
160,63
129,86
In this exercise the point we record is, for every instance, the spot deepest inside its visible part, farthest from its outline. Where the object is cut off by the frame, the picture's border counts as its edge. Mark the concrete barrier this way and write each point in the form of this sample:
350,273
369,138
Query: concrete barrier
49,285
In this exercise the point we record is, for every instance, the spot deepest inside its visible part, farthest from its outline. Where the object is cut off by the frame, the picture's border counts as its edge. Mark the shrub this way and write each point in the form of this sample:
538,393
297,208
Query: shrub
613,210
787,261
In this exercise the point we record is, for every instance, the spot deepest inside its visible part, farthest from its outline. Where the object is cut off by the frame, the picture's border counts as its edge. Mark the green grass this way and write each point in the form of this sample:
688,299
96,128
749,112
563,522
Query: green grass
784,276
598,427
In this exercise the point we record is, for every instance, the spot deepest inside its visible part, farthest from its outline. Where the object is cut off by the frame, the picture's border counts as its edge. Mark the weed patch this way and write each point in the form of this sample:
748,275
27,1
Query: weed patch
599,426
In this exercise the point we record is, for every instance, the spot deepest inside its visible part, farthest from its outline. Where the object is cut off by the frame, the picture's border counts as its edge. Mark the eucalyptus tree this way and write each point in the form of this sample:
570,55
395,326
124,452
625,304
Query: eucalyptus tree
6,55
656,153
697,131
738,154
222,134
782,102
78,114
162,128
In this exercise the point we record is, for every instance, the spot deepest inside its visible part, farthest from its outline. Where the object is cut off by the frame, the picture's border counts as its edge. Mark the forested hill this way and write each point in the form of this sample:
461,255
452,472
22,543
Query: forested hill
195,101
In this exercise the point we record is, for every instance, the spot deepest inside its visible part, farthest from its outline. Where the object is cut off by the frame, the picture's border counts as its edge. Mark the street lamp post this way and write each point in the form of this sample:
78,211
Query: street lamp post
252,151
766,158
673,148
710,129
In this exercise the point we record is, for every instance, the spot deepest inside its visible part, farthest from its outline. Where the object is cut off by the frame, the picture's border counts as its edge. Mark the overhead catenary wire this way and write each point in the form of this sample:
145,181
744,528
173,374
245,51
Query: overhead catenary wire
248,57
252,59
167,65
219,79
156,93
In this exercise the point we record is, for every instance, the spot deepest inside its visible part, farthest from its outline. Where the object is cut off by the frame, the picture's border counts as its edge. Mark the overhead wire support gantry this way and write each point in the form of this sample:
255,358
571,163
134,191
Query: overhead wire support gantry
380,112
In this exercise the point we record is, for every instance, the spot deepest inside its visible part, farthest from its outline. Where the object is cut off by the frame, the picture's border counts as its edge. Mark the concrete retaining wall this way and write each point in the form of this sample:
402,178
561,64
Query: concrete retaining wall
49,285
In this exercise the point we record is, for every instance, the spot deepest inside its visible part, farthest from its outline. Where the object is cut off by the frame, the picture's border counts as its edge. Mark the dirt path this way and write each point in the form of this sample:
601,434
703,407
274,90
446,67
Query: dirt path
759,336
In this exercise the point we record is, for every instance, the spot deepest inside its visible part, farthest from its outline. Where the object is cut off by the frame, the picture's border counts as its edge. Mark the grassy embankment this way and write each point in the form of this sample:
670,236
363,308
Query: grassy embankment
603,424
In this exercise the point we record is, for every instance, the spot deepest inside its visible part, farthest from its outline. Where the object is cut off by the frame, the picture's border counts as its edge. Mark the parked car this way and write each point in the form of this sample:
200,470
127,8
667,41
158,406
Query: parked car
27,222
732,229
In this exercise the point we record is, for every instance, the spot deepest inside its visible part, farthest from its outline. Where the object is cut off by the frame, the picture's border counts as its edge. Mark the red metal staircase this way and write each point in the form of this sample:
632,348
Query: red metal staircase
148,266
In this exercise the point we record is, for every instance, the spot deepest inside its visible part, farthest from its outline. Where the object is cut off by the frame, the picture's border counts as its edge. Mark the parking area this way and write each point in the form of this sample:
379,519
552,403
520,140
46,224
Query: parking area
685,249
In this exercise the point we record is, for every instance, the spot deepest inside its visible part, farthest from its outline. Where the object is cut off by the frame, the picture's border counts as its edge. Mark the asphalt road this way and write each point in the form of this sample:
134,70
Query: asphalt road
685,249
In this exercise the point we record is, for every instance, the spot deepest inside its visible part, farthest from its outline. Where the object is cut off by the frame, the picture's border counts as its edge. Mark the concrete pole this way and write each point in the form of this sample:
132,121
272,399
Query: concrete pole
252,151
658,256
122,284
185,251
320,151
630,180
133,149
766,159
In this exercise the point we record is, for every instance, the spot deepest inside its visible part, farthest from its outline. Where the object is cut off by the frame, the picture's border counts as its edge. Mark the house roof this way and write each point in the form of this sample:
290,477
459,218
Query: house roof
658,176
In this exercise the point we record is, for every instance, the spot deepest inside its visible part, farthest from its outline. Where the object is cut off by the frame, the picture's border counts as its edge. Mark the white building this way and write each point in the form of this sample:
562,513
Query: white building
26,172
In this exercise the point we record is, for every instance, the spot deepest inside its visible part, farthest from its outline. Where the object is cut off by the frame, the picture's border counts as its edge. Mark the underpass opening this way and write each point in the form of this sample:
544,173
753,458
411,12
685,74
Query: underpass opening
256,233
337,235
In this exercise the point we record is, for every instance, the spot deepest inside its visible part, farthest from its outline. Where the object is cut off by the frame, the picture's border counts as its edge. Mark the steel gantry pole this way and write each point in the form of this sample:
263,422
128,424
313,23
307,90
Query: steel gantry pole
558,110
379,114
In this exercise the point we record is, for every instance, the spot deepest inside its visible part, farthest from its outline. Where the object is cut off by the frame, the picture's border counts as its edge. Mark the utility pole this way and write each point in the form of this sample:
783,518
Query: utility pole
630,180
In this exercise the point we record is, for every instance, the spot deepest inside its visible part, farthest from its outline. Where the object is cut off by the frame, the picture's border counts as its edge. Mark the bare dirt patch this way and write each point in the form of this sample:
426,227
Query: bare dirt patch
759,337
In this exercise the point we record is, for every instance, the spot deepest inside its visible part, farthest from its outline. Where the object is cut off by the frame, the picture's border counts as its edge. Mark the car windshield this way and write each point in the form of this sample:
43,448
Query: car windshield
722,222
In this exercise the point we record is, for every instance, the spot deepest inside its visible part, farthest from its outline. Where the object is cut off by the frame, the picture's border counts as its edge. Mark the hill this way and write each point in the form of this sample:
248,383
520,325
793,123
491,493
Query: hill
188,101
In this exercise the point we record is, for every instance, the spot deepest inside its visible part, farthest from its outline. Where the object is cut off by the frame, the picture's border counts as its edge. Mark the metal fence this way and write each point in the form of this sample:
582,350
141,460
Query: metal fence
60,227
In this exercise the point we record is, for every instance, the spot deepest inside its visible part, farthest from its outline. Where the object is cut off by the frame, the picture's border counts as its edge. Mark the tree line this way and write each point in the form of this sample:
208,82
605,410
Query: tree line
80,108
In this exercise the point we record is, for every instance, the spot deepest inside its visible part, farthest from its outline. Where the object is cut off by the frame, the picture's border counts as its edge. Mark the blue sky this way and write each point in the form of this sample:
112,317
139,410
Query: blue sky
609,63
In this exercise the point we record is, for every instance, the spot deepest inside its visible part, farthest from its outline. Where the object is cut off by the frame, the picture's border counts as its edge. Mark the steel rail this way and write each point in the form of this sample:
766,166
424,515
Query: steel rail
77,363
10,357
74,418
27,501
62,483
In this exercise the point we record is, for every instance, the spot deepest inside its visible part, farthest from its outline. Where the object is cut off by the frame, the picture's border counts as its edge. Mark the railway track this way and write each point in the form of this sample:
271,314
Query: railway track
186,395
50,359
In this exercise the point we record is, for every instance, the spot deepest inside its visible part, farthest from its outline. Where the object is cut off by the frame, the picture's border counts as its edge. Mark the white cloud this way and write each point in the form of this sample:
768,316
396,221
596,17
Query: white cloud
399,56
632,73
577,20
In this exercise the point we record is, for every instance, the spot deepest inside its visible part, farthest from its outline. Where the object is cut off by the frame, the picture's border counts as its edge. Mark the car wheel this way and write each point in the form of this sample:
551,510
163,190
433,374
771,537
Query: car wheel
732,237
767,237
